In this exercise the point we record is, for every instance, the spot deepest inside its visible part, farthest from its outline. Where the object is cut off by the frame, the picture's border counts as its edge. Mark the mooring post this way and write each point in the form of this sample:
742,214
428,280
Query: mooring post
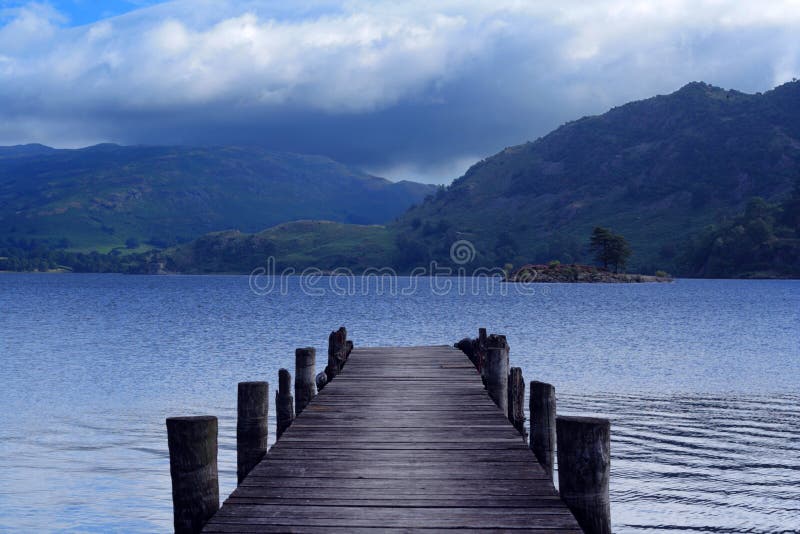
543,424
497,370
192,445
466,346
338,351
516,399
584,467
284,402
304,379
480,353
321,380
251,426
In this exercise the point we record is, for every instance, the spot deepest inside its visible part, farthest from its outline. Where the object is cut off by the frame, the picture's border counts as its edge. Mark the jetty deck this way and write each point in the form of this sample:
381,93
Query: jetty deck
404,439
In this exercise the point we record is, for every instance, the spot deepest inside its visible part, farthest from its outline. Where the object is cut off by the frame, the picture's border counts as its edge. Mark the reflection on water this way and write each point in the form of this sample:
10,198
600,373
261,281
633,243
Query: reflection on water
700,378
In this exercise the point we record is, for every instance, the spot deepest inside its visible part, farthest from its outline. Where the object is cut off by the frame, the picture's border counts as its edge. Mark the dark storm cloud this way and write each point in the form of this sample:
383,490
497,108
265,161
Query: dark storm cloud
414,90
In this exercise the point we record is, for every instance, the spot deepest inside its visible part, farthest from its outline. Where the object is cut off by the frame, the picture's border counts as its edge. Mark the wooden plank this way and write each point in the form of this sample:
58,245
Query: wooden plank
405,486
479,456
333,497
315,529
440,519
403,439
258,512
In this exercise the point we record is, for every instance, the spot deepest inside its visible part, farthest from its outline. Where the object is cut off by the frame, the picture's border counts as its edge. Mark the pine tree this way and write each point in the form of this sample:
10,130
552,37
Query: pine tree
609,248
600,243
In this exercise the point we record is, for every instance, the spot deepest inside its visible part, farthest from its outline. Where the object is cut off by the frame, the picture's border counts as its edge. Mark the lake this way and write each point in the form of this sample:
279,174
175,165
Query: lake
700,378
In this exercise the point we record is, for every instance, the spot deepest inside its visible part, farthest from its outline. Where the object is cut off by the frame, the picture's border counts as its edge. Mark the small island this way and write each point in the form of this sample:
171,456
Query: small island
575,273
610,249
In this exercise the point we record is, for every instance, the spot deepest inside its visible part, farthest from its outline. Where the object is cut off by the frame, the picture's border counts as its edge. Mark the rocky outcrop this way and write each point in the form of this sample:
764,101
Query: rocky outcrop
578,274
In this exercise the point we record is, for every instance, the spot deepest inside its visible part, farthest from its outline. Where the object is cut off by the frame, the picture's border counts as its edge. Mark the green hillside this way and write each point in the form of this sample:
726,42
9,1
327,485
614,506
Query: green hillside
299,245
762,242
105,196
658,171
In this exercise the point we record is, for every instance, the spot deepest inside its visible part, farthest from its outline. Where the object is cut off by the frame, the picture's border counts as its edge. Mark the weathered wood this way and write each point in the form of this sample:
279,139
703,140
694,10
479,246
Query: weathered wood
473,348
389,516
430,500
543,424
496,367
322,487
584,468
327,528
321,380
251,426
404,438
304,381
284,402
192,445
338,351
467,346
480,353
516,400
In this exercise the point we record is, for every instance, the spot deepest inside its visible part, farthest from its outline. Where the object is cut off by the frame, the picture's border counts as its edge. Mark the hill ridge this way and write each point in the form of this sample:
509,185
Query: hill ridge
658,170
101,196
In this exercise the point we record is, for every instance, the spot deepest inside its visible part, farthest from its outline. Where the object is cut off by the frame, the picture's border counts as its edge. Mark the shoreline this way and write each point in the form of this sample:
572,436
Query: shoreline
505,280
580,274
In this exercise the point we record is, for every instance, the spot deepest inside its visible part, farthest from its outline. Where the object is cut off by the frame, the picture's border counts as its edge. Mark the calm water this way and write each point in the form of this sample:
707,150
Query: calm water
700,378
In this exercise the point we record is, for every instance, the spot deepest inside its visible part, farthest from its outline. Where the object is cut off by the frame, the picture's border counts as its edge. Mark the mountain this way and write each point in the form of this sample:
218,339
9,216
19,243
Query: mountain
103,196
17,151
657,171
699,182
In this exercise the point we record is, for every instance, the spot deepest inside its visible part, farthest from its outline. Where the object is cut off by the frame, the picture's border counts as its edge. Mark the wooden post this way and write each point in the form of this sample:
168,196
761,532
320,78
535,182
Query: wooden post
466,346
543,424
516,399
584,467
304,380
321,380
497,370
284,402
338,351
193,467
251,426
480,353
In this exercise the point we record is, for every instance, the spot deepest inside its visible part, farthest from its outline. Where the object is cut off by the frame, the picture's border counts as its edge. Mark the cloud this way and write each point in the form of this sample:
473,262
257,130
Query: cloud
416,87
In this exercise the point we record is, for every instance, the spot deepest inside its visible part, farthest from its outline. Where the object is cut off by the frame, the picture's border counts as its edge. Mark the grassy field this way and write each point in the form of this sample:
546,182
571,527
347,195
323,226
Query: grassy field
303,244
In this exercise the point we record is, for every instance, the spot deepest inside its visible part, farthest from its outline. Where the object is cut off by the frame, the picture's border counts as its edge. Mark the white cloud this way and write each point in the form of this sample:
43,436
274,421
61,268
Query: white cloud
28,27
462,61
347,62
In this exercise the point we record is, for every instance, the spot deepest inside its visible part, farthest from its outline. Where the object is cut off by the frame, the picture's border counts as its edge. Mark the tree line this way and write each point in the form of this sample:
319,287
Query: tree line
31,255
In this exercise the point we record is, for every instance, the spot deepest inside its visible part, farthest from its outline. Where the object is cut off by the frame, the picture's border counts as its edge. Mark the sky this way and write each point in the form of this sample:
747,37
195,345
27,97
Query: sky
407,90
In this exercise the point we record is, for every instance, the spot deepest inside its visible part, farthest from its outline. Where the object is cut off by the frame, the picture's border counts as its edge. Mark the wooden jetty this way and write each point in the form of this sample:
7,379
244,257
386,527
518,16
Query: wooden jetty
400,439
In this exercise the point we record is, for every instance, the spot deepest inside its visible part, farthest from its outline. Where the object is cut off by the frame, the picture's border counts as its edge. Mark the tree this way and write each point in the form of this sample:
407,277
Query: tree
609,248
791,208
757,208
409,253
620,252
600,243
505,247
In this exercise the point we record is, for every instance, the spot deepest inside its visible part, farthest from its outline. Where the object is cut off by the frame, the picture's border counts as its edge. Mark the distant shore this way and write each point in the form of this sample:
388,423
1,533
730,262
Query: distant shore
579,274
544,274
